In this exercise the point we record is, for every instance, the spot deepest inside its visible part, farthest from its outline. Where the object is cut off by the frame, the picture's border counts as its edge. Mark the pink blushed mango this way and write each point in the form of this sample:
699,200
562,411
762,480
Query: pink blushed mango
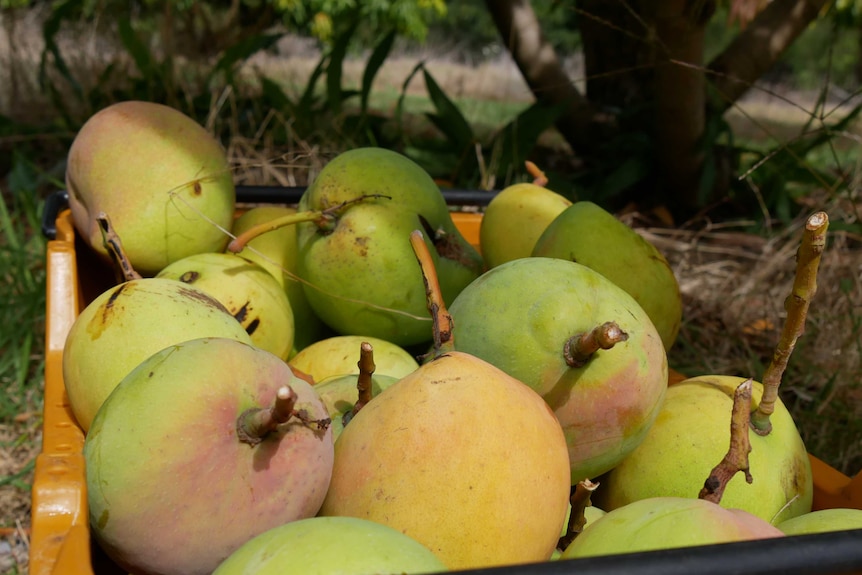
519,316
463,458
171,487
162,178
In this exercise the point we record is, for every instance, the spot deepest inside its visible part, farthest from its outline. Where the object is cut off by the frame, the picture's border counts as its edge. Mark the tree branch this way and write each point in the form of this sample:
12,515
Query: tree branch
543,71
758,47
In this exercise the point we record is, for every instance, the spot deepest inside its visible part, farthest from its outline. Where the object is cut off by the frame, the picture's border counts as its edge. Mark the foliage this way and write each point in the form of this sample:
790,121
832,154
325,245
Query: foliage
461,158
408,18
22,275
782,177
469,26
829,53
325,112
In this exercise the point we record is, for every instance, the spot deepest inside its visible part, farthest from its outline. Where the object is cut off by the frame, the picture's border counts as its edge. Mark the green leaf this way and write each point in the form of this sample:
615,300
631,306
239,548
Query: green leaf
518,138
50,29
137,50
242,51
306,101
399,106
275,97
629,172
375,61
335,96
449,118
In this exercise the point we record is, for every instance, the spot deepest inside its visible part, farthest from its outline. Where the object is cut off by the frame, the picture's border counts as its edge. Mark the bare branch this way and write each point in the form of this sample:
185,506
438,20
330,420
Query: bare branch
758,47
543,71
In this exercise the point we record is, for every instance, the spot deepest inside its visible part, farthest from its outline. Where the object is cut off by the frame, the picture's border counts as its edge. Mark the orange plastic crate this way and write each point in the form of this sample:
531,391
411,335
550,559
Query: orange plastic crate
60,537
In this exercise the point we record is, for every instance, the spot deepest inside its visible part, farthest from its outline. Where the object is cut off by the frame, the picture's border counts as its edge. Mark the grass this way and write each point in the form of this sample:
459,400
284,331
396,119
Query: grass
22,312
23,275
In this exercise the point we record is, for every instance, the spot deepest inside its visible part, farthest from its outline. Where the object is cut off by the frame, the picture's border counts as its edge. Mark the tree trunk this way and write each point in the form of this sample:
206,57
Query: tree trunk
756,49
645,58
680,100
644,64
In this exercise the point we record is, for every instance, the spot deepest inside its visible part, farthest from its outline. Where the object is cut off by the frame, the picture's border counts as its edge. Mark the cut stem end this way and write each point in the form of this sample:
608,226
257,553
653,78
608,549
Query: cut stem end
255,424
579,349
580,500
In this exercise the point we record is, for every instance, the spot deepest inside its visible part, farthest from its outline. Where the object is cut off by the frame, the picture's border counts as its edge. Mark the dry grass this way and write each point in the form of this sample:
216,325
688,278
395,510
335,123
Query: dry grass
20,443
734,285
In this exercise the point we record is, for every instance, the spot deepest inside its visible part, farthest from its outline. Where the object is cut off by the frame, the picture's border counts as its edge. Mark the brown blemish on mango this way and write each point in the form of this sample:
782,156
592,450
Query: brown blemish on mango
202,297
252,326
100,321
189,277
362,245
103,519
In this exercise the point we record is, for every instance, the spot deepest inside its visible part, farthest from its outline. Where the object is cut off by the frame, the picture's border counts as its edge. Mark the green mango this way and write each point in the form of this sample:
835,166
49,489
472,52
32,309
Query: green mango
340,354
823,521
525,207
586,233
691,435
327,545
164,180
362,274
667,523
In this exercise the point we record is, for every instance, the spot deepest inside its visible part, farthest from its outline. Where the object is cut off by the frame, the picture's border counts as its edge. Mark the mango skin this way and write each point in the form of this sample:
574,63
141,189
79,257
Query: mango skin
691,435
586,233
518,316
126,324
822,521
526,208
246,290
667,523
163,180
467,460
339,355
327,545
277,252
170,488
366,255
366,260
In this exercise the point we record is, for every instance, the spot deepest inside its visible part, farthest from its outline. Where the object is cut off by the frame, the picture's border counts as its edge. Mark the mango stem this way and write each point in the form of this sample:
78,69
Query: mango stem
441,320
122,265
323,218
363,381
539,177
579,348
238,243
804,287
736,458
580,500
253,425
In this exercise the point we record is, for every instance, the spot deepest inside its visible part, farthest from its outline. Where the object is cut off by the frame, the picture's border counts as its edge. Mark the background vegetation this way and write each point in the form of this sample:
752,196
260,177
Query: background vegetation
287,84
